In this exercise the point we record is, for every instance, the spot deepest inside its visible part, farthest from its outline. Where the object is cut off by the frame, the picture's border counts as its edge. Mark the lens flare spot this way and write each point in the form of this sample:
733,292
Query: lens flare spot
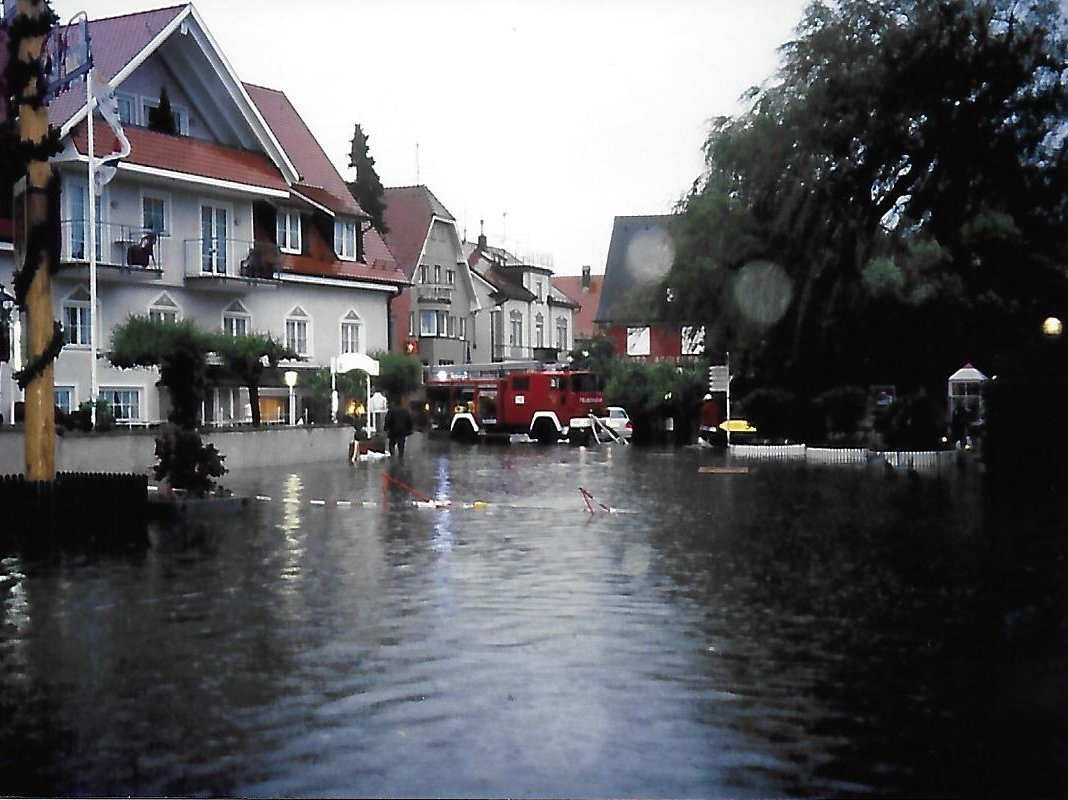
650,253
762,292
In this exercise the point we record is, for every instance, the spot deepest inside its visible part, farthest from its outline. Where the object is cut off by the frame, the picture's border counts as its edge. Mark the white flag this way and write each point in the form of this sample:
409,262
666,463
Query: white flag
108,106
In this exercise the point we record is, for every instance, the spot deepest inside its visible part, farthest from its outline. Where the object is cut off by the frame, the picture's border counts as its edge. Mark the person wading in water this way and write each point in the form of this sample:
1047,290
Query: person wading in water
398,426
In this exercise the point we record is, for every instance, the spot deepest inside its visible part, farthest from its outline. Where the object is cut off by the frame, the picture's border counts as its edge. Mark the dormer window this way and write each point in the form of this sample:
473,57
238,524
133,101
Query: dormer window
288,231
345,238
181,116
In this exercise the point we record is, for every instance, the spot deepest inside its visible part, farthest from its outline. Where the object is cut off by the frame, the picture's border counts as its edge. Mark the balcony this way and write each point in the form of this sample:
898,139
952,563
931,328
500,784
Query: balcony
434,293
123,252
226,264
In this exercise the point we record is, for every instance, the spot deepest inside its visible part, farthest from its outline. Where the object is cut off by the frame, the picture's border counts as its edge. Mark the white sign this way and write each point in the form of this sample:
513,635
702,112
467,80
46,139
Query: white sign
718,379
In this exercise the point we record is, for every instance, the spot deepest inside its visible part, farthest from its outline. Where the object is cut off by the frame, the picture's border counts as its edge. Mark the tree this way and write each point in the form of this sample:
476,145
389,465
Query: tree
398,374
367,188
161,118
180,350
247,357
894,204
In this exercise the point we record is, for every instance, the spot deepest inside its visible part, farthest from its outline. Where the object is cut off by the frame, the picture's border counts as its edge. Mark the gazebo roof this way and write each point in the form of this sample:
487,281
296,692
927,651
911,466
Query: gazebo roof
967,373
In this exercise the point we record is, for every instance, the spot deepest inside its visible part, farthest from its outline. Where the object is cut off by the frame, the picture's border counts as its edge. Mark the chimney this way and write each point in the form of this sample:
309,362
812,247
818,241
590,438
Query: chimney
481,235
586,277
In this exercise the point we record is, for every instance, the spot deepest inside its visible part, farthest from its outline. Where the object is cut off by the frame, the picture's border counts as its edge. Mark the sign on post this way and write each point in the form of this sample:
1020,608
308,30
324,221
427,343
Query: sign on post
718,378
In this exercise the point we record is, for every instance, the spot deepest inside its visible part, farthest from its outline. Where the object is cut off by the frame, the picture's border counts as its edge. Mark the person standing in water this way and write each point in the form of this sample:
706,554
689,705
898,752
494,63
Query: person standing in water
398,425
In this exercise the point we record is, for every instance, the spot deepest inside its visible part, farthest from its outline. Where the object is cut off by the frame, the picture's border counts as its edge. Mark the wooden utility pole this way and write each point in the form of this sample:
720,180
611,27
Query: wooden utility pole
40,435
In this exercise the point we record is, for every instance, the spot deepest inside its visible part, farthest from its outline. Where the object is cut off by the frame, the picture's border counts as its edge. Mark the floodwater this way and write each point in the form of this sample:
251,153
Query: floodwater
788,632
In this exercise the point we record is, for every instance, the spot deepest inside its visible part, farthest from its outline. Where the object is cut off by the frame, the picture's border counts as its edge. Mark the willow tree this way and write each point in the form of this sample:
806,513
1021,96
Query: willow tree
894,203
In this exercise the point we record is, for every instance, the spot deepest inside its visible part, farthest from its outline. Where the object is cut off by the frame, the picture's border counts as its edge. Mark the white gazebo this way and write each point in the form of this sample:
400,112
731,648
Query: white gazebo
965,390
345,363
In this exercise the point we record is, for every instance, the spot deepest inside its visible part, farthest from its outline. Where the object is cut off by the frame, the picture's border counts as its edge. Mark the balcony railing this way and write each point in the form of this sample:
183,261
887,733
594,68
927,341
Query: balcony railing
117,244
239,259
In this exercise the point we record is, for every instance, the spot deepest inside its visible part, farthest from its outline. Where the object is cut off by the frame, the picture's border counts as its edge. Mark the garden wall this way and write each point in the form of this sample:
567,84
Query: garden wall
135,451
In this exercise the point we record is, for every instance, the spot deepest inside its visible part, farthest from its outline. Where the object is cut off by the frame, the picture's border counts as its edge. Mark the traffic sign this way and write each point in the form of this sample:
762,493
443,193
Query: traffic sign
718,378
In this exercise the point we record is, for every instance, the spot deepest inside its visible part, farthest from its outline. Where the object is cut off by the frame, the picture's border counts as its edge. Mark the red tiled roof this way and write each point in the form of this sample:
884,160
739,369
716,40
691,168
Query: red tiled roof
409,212
588,300
186,155
352,270
316,170
116,42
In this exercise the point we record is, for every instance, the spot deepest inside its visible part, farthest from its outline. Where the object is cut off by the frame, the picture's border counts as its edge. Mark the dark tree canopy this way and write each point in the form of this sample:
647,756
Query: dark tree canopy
894,204
367,188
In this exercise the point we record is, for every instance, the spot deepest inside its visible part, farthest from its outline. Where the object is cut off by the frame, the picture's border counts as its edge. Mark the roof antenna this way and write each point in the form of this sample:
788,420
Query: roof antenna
417,164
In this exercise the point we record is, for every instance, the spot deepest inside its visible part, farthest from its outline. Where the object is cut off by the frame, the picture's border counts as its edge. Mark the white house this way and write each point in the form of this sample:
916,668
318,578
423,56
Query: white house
236,220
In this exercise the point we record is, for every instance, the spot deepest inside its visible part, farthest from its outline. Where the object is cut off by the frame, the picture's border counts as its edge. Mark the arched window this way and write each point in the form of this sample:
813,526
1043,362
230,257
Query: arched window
515,329
298,326
351,333
164,309
236,320
77,318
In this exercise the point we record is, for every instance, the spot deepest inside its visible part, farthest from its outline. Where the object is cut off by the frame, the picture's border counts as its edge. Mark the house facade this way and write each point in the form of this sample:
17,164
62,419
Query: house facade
585,291
435,319
234,219
529,318
640,255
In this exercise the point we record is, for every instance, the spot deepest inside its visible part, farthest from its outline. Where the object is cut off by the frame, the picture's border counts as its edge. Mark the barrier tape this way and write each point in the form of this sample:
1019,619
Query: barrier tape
423,501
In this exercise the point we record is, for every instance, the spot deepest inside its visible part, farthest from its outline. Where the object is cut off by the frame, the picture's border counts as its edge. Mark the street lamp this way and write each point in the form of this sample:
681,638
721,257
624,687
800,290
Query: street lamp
291,381
1052,327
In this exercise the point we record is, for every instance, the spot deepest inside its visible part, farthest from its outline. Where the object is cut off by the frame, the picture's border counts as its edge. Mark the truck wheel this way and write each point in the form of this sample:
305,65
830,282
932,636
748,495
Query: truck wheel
544,432
463,431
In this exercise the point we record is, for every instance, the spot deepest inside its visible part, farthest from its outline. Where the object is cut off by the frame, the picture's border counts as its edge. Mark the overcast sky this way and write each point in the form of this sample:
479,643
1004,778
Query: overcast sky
545,118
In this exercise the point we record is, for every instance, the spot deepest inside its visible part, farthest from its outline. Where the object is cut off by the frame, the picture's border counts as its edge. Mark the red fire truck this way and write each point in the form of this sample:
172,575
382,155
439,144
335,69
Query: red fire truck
546,404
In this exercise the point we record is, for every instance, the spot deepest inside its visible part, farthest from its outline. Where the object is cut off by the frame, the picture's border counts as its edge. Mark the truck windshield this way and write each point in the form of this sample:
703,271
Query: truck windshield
585,382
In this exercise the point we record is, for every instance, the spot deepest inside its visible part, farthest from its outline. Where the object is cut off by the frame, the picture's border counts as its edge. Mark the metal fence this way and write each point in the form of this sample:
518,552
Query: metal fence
82,511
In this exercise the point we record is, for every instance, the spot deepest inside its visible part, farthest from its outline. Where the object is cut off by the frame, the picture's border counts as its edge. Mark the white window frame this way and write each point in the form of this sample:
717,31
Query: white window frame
424,273
561,333
692,340
411,323
298,316
72,399
226,266
450,276
285,243
639,341
82,329
158,309
347,249
165,198
351,325
428,316
69,189
515,328
539,329
133,117
181,113
233,315
135,390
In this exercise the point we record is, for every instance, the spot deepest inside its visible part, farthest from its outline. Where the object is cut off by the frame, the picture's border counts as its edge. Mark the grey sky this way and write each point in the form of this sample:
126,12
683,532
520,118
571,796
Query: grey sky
546,119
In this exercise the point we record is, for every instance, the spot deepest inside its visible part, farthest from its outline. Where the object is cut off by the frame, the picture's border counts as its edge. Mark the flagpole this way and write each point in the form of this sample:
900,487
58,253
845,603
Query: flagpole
728,399
93,389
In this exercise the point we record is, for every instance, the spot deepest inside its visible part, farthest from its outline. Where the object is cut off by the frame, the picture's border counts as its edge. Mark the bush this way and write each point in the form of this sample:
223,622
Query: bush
912,422
774,413
185,462
842,408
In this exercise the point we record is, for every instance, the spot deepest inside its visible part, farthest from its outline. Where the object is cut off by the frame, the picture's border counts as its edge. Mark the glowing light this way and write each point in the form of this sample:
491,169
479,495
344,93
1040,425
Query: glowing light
1052,326
762,292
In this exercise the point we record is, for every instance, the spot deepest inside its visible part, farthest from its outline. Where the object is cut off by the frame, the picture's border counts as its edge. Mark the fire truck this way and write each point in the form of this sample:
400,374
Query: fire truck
547,404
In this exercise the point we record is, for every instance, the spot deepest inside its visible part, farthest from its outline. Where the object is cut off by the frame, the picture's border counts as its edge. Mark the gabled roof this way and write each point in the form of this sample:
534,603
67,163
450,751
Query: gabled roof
319,179
410,210
117,42
640,254
587,299
504,288
121,44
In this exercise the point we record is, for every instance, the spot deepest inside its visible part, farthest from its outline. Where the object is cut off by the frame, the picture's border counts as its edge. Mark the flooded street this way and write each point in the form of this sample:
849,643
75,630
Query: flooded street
792,631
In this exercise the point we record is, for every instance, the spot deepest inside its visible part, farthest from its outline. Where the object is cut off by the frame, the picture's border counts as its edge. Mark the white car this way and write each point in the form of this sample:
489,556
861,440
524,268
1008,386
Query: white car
618,421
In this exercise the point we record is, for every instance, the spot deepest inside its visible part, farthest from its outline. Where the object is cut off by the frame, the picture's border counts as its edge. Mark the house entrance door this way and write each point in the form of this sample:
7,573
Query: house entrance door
214,228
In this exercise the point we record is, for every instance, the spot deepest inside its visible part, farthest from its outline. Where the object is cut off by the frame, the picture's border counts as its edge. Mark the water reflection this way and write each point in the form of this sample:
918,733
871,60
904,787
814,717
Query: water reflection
788,632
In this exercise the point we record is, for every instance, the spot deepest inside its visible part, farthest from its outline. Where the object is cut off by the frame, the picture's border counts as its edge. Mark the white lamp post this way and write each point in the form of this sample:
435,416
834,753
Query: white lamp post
291,382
